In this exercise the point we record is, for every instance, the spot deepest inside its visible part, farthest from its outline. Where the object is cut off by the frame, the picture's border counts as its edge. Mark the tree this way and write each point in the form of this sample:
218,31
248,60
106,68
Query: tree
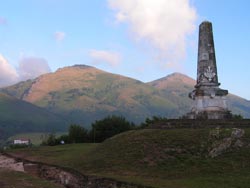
151,121
77,134
63,138
50,140
109,127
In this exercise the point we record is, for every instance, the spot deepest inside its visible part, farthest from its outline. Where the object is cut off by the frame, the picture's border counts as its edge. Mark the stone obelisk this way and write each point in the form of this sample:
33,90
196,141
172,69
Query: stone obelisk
209,99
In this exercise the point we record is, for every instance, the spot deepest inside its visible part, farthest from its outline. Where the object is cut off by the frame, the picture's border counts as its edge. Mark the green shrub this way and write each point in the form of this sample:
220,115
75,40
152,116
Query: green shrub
77,134
109,127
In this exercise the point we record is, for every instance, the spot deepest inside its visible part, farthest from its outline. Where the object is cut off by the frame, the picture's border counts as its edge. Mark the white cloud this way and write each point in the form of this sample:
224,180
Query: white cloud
3,21
28,68
107,57
8,74
59,36
161,24
32,67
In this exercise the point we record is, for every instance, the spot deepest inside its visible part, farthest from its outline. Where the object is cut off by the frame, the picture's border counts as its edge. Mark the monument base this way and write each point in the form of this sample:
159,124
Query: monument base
207,107
209,115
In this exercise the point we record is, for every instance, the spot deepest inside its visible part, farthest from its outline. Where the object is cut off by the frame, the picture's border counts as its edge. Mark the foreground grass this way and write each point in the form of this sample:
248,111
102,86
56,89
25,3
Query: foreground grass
71,155
11,179
36,138
160,158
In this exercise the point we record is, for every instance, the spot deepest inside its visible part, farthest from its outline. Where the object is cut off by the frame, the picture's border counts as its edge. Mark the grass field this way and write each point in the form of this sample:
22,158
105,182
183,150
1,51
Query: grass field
11,179
36,138
159,158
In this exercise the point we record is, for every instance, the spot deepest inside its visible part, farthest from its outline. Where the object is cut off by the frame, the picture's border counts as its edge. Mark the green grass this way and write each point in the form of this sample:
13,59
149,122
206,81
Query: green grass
36,138
64,155
159,158
11,179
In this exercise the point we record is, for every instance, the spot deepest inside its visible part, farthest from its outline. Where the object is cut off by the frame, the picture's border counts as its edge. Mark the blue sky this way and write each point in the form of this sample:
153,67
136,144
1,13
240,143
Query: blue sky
142,39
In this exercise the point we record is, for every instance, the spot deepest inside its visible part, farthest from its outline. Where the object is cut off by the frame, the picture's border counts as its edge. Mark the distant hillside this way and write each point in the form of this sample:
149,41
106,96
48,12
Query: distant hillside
175,81
180,85
83,94
176,88
17,116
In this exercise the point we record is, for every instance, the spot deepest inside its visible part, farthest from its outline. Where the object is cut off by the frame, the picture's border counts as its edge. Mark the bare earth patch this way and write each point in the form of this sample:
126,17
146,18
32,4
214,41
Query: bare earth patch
11,164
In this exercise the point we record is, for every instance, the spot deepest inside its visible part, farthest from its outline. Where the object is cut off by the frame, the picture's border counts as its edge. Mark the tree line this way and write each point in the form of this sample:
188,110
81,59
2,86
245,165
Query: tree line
103,129
100,131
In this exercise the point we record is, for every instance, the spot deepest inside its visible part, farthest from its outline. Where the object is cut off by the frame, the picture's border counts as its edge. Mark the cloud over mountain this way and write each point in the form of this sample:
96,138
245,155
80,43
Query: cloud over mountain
107,57
28,68
8,74
32,67
161,24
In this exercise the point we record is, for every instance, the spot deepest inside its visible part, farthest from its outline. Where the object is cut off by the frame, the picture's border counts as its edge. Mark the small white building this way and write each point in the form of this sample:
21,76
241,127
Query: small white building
22,141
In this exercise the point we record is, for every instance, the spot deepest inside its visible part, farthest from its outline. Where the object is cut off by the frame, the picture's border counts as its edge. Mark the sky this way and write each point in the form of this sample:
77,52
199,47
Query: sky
142,39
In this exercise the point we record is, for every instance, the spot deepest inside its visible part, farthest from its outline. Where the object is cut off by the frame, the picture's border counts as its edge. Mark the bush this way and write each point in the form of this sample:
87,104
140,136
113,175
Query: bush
51,140
151,121
77,134
109,127
237,116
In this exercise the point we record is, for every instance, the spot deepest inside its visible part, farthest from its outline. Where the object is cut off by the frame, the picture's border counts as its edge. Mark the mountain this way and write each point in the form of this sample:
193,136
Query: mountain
83,94
180,85
176,87
18,116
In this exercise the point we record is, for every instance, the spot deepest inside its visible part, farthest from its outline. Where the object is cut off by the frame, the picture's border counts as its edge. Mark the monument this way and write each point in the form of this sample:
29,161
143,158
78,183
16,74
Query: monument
209,99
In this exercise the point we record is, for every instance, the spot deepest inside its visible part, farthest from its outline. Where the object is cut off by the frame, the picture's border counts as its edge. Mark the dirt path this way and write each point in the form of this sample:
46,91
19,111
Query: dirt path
11,164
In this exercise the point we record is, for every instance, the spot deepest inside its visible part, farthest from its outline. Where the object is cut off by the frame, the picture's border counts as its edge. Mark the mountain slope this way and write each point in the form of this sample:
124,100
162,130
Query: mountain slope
19,116
180,85
84,94
176,88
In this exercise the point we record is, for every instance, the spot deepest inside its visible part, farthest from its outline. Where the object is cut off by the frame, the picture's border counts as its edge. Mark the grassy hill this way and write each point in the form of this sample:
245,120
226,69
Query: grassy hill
83,94
175,158
17,116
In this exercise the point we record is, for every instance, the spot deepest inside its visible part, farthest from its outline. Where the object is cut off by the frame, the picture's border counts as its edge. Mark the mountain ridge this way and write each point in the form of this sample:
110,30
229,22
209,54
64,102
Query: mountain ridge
84,94
176,76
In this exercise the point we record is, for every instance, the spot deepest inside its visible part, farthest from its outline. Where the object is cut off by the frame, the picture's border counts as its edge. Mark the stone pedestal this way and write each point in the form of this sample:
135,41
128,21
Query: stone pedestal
210,108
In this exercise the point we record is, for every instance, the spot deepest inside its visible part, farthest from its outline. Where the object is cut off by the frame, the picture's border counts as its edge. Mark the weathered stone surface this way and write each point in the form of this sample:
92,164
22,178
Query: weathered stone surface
11,164
206,68
222,146
219,146
61,176
207,96
237,133
238,144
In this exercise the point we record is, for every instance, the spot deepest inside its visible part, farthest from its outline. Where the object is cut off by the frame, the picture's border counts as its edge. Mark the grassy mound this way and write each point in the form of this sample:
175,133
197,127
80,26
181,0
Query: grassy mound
175,158
165,157
150,148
